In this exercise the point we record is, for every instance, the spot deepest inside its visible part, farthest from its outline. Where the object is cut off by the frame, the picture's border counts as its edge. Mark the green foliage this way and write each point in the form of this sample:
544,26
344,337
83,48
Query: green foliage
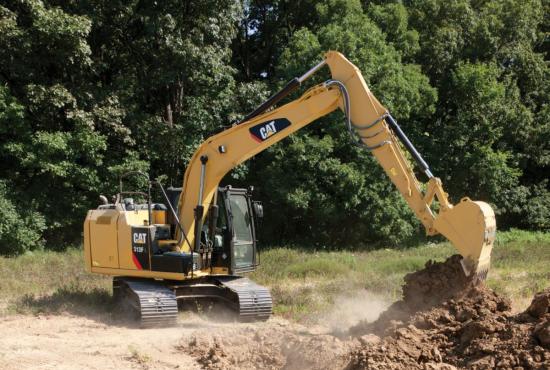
393,19
479,116
89,90
20,228
492,118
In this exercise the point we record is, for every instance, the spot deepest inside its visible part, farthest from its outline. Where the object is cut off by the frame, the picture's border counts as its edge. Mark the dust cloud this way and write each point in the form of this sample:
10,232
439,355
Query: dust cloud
349,310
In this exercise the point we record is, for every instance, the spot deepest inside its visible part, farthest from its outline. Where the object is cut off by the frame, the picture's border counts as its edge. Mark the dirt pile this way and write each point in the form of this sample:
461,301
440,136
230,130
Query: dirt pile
423,289
446,320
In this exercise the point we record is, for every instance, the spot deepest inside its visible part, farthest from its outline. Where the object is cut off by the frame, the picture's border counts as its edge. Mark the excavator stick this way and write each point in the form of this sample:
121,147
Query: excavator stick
469,225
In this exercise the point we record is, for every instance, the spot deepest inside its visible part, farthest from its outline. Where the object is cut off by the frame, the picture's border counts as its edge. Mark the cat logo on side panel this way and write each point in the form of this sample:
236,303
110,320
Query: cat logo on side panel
140,238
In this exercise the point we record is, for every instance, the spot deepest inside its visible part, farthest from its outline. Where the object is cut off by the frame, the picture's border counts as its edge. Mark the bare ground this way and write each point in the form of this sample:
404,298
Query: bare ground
97,341
72,342
444,321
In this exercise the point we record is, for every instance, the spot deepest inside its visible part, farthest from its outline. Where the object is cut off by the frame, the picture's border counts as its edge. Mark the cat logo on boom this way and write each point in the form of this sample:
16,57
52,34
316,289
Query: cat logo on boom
265,130
268,130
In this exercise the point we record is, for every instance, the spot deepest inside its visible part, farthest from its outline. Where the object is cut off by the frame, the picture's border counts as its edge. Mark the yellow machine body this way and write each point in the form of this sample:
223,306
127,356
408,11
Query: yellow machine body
469,225
108,246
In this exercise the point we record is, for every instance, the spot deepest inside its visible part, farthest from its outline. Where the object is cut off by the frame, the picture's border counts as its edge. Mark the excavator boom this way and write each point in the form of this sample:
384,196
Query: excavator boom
469,225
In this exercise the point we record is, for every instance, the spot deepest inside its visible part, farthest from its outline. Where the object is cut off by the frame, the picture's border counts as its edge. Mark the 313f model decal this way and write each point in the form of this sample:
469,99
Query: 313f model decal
265,130
140,247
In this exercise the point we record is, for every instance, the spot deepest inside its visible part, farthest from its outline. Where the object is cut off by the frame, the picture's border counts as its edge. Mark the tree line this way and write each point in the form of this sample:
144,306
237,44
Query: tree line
91,89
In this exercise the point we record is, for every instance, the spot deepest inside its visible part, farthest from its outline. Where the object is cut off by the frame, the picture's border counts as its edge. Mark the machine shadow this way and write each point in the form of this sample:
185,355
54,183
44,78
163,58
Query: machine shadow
99,305
95,304
208,310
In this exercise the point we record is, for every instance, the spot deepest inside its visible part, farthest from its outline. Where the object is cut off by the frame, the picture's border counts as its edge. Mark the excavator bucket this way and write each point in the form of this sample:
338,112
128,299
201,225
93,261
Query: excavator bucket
471,227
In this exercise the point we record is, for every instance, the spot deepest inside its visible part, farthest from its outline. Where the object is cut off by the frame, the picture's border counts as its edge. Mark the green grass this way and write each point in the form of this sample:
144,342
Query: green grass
51,282
303,283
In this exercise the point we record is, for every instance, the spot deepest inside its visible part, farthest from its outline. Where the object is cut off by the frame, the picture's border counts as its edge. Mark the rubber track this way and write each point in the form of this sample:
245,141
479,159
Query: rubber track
156,305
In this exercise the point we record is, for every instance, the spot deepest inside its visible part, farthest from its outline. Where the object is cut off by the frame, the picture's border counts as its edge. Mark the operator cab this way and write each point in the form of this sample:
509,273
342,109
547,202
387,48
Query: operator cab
228,234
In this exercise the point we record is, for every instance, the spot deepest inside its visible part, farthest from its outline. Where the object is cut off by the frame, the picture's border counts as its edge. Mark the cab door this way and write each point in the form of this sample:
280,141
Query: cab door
243,243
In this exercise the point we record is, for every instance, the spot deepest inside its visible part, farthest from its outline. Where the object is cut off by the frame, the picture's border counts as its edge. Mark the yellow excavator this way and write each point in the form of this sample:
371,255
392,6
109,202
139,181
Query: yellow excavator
201,238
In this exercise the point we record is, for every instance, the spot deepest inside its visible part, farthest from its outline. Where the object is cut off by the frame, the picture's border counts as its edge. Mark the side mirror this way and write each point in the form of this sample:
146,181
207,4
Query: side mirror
258,209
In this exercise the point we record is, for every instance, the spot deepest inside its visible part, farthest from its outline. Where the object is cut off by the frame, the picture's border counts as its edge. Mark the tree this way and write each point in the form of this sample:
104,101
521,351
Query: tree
51,152
101,88
486,60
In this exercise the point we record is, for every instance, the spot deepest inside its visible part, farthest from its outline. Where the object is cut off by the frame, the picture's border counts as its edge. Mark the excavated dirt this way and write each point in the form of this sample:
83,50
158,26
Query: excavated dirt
447,321
424,289
444,321
283,346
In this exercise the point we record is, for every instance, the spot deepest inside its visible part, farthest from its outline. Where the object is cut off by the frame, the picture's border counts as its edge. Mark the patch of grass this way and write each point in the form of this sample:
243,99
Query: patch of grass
305,283
71,298
322,265
142,359
520,265
50,282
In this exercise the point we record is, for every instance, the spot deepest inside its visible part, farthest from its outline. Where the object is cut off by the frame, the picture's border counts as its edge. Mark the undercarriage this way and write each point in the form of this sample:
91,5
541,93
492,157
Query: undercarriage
155,302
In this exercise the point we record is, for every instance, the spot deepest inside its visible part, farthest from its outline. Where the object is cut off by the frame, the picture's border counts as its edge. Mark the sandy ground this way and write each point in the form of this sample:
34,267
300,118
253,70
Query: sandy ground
69,342
66,341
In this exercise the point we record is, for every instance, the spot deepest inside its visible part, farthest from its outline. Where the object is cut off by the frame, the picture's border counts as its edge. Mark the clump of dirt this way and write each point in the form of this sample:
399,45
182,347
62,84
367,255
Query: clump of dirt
540,309
423,289
282,346
446,320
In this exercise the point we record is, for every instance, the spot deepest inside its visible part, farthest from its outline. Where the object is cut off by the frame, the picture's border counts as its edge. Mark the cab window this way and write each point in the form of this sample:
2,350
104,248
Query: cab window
241,218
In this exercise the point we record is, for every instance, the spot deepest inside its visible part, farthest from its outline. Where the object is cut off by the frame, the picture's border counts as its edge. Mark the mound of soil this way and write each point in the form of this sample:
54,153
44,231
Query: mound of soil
423,289
446,320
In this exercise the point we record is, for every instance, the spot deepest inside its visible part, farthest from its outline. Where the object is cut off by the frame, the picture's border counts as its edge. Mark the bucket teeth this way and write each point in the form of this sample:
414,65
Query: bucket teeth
481,273
479,270
466,267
